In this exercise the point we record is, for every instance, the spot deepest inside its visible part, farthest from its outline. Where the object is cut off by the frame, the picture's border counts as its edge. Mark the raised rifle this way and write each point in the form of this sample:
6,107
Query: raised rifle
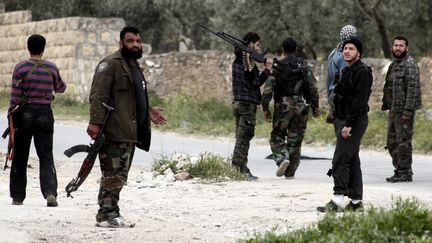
10,130
92,152
240,44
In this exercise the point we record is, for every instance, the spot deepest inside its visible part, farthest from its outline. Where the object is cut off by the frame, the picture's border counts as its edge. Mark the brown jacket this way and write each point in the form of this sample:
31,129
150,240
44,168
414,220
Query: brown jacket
112,84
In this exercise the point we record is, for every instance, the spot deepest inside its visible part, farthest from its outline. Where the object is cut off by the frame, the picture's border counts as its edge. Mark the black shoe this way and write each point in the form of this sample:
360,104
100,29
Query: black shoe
329,208
354,207
249,177
51,201
399,178
15,202
290,171
282,167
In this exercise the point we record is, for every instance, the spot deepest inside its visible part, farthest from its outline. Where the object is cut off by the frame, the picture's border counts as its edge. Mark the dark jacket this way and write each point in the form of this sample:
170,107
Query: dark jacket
113,84
246,85
403,84
352,93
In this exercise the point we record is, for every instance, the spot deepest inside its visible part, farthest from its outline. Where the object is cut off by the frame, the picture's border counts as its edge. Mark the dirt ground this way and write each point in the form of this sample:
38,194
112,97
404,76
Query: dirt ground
164,211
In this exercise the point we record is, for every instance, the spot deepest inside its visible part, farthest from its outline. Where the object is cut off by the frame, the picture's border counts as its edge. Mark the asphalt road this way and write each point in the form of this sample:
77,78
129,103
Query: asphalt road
376,165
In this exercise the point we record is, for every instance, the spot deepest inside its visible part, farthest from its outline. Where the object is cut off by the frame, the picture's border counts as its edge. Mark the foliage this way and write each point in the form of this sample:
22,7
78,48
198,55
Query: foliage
314,24
206,166
214,167
407,221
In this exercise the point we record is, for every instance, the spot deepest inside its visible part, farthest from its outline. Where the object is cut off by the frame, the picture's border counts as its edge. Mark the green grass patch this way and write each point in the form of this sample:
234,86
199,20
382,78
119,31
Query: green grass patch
206,166
407,221
213,167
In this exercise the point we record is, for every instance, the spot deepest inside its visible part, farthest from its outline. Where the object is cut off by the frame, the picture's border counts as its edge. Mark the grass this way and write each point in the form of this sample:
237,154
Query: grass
407,221
206,166
208,116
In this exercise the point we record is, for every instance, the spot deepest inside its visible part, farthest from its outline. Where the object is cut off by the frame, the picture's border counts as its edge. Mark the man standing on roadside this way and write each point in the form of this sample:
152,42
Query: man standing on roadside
351,121
246,83
33,83
402,97
119,82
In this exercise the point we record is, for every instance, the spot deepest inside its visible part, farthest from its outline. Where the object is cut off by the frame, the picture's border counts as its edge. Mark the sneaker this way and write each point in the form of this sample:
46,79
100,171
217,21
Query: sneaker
330,208
51,201
354,207
282,168
15,202
399,178
118,222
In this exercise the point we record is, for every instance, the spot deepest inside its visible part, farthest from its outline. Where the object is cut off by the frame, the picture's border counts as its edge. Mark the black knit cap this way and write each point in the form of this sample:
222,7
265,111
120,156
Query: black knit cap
355,41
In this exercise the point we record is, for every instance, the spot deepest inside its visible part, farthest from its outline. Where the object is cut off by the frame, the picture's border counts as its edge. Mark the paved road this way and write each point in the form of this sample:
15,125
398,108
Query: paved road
376,165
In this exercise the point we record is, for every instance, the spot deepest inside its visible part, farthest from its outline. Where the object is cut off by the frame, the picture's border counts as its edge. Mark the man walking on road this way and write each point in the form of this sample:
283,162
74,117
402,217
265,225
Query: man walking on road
33,83
293,88
402,97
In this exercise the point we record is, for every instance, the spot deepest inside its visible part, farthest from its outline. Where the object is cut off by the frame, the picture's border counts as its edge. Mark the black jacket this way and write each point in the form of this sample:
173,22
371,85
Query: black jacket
352,93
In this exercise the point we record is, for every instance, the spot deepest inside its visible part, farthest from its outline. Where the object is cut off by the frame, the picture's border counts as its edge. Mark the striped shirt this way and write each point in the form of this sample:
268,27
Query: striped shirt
35,85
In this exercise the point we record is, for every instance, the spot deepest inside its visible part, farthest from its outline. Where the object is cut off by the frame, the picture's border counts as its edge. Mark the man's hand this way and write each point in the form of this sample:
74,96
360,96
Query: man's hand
269,64
93,130
156,116
346,132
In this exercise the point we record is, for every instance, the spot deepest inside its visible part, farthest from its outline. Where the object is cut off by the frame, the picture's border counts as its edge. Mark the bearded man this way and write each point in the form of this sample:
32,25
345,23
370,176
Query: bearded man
402,96
119,82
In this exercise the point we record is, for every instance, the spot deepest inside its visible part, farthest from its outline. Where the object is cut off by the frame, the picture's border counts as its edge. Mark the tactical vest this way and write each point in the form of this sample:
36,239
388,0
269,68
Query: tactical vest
289,76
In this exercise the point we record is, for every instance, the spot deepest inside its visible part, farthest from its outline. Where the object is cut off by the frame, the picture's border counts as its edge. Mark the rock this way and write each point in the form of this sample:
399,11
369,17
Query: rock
181,176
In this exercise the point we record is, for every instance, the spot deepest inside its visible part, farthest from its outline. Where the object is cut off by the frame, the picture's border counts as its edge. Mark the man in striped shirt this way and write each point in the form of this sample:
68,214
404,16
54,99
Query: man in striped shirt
33,83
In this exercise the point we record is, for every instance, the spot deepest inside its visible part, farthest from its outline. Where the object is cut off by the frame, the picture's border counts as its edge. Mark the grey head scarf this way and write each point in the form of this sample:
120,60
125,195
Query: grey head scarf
346,32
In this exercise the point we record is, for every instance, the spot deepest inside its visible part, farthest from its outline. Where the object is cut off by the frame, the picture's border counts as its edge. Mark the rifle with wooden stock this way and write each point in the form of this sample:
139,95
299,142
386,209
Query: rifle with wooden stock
92,151
10,131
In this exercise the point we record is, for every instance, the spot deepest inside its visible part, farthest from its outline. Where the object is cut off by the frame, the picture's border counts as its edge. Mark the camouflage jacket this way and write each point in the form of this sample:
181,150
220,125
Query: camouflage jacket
403,78
113,84
309,87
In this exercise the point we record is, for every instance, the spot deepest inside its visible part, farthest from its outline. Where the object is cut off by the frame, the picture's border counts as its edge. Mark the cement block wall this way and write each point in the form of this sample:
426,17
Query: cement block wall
74,44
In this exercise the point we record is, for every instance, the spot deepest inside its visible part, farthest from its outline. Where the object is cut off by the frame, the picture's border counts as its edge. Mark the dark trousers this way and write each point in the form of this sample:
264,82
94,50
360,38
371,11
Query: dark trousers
245,120
399,136
347,172
37,122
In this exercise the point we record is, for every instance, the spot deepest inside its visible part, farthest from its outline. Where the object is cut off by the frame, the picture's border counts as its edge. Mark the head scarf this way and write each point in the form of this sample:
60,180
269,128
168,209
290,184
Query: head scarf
346,33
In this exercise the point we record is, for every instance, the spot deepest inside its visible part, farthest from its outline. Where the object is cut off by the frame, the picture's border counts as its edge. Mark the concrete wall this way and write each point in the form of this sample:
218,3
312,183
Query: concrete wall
75,44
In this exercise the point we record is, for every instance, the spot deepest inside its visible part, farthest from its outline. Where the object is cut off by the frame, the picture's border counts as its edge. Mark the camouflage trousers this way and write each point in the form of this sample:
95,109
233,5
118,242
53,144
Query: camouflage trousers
399,137
245,121
289,125
115,161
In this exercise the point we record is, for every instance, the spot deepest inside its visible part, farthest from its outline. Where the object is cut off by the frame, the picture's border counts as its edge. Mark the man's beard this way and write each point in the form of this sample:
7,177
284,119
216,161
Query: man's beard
130,54
401,56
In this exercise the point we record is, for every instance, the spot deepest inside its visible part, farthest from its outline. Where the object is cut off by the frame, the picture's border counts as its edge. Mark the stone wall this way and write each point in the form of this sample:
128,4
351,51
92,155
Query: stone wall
75,44
208,73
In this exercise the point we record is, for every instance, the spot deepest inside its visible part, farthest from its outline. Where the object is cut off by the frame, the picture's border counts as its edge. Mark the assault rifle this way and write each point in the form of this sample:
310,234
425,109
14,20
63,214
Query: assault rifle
92,151
240,44
10,130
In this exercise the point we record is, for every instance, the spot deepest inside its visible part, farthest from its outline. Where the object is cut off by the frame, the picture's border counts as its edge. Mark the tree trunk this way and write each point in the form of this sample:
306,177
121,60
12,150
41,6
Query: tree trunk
374,14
